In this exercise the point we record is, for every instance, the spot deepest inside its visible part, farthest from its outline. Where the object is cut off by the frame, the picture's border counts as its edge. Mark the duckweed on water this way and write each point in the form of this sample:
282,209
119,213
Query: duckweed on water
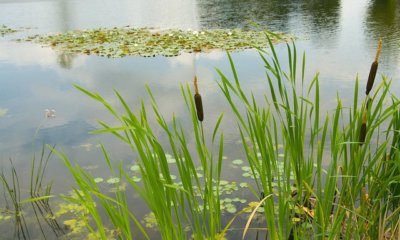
120,42
6,30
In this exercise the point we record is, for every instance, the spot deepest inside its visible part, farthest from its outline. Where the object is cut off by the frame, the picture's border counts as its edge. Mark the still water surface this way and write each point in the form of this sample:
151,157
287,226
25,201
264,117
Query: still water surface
339,38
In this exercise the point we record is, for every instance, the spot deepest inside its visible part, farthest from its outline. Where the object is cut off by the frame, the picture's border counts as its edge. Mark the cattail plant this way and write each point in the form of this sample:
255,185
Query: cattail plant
370,83
197,101
374,68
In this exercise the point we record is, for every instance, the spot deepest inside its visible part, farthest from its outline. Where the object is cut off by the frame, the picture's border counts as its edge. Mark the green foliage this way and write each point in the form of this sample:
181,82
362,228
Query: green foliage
120,42
331,185
313,176
6,30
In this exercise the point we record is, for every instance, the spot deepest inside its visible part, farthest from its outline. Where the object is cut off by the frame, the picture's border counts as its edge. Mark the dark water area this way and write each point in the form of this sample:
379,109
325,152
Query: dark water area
339,38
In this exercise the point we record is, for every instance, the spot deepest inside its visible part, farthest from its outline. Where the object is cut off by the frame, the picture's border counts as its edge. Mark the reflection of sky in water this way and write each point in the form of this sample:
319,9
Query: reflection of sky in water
339,40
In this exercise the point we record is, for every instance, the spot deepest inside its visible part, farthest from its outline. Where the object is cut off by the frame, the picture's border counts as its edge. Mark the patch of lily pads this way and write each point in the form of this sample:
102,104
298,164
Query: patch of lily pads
6,30
126,41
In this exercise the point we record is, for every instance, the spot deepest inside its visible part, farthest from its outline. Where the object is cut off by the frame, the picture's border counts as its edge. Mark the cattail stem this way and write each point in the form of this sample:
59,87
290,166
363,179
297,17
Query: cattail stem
196,88
363,129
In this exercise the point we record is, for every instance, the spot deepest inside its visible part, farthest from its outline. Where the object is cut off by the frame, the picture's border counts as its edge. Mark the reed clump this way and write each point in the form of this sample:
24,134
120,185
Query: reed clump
340,175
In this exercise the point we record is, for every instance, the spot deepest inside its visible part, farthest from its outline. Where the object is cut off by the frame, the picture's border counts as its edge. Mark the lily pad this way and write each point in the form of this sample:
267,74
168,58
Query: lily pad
121,42
113,180
98,180
136,179
230,208
6,30
237,161
135,168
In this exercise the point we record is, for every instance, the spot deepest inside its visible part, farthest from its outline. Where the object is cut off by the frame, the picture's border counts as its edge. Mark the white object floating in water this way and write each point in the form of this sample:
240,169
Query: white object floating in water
50,113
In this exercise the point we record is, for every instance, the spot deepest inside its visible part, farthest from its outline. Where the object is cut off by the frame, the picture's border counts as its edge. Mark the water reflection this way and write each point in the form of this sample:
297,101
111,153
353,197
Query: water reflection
278,15
383,21
340,41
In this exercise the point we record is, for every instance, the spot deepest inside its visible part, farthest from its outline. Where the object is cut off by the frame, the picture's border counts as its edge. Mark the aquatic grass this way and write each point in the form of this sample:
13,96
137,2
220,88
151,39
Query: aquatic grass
336,197
336,176
194,204
38,196
12,193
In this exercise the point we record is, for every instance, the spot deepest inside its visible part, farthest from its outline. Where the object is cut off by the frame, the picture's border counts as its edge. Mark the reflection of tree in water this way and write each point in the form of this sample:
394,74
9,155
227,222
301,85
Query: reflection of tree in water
65,60
383,21
237,13
322,18
279,15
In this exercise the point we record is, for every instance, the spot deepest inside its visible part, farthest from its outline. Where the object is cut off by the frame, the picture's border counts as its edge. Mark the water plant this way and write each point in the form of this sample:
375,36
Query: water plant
127,41
339,193
318,174
6,30
38,198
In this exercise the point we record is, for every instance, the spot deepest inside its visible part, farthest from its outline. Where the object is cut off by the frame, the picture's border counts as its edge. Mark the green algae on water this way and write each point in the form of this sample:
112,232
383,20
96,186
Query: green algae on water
126,41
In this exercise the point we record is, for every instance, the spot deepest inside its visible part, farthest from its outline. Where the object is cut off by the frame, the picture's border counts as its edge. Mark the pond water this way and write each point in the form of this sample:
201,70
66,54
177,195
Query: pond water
339,37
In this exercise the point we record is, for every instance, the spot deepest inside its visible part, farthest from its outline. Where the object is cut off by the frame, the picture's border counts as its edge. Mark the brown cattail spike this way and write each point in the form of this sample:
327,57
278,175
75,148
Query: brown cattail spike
199,107
198,102
374,69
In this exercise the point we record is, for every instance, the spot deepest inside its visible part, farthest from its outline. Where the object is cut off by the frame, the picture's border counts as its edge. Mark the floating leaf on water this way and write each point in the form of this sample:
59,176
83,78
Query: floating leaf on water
237,161
113,180
98,180
120,42
136,179
246,174
246,168
223,182
199,175
135,168
243,184
6,30
230,208
228,200
281,155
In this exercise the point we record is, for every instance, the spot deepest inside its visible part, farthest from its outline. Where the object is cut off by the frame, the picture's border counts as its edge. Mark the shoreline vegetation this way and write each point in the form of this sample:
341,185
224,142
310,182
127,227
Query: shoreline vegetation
338,176
353,195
